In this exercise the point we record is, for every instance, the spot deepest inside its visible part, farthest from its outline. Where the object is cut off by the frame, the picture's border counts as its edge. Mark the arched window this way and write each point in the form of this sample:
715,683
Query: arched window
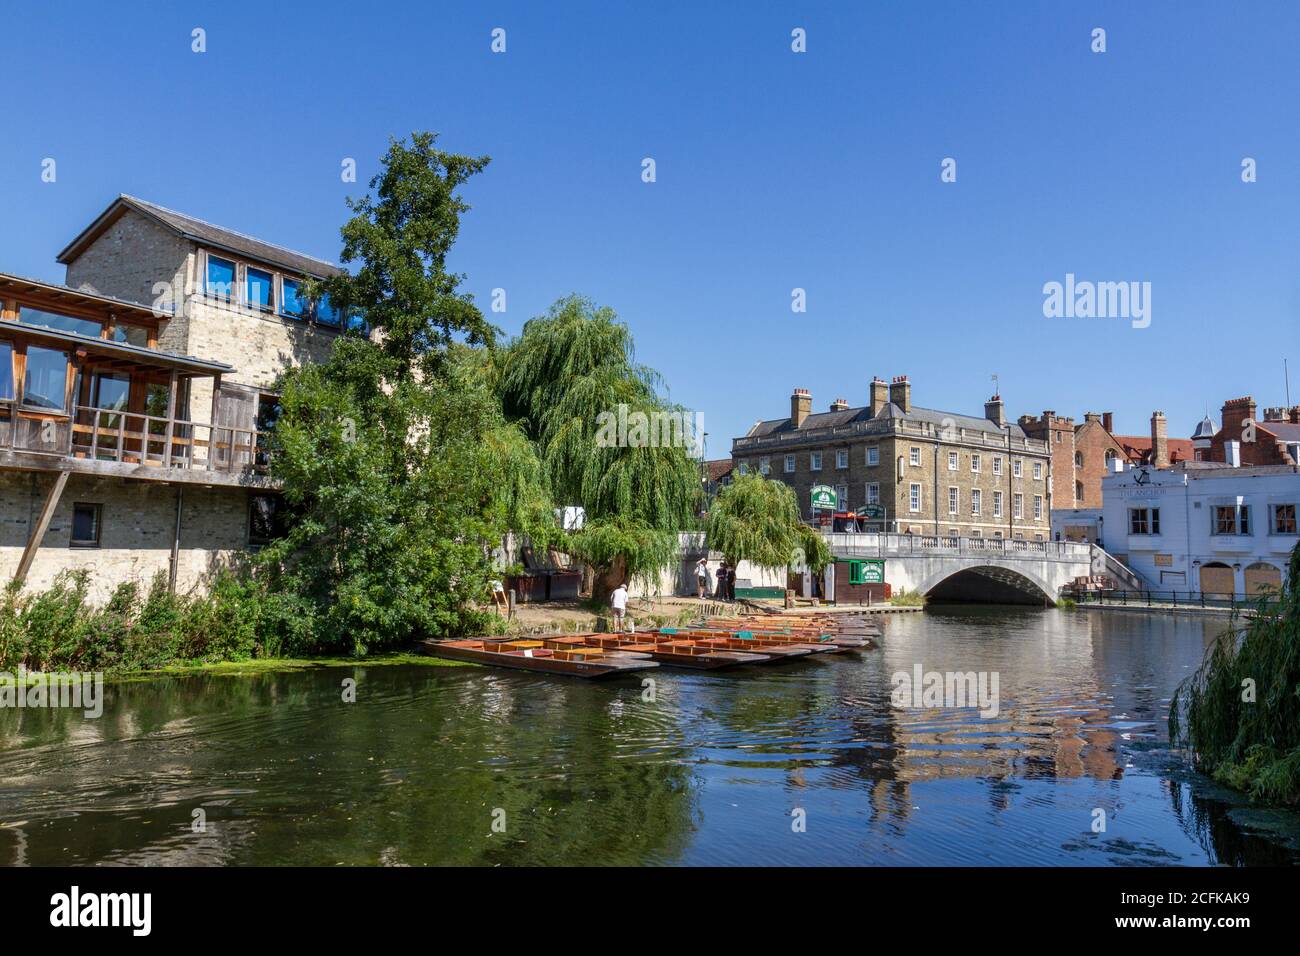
1078,491
1110,456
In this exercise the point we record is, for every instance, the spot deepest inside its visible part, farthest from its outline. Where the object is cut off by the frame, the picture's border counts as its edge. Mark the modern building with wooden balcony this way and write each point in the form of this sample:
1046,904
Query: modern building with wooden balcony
134,436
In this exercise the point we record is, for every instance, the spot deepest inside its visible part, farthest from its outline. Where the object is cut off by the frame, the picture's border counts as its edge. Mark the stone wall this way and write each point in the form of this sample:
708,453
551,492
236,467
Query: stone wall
137,523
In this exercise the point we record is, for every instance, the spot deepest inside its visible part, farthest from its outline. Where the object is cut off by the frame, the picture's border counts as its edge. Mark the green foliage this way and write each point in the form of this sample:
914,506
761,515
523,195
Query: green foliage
907,599
1253,745
636,549
60,629
757,520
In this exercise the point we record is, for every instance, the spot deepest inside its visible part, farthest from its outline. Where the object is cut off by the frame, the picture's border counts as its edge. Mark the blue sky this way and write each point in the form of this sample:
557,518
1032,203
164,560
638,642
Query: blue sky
775,170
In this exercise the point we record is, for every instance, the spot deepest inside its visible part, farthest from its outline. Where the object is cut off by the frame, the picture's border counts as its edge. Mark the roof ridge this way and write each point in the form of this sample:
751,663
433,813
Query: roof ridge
233,232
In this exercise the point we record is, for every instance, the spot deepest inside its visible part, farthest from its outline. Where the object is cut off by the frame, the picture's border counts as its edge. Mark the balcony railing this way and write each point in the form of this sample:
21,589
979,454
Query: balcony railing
97,434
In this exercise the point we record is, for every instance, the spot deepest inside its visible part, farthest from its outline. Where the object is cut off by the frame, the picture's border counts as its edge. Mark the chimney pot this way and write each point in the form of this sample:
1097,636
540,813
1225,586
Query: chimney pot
800,406
900,393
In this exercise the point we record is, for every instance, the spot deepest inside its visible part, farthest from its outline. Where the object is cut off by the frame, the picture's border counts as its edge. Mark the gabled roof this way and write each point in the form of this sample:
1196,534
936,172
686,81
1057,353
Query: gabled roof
719,468
205,233
863,414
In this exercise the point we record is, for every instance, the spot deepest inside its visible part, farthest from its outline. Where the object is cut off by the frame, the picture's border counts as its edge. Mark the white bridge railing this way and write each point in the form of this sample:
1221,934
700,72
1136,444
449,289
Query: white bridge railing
924,545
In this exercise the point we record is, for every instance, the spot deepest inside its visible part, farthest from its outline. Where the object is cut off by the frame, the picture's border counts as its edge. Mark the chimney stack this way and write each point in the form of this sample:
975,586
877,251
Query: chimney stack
1092,417
1235,411
900,393
993,411
800,406
839,405
1295,415
1108,421
879,394
1159,440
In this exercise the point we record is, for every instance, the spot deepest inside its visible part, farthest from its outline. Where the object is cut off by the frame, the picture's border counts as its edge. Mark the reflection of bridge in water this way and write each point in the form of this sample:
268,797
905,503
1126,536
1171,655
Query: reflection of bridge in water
996,570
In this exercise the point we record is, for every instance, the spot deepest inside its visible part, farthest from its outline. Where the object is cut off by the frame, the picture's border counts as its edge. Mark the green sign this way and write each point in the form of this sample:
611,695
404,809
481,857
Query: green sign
866,572
871,511
823,496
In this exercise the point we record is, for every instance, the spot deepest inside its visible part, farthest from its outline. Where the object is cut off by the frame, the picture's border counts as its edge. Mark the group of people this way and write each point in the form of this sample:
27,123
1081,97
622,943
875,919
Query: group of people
724,581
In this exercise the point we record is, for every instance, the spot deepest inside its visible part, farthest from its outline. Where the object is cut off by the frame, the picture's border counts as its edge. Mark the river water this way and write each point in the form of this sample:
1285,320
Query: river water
797,763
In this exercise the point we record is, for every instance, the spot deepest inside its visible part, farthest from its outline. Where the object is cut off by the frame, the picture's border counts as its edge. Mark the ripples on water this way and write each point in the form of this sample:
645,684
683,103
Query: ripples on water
710,772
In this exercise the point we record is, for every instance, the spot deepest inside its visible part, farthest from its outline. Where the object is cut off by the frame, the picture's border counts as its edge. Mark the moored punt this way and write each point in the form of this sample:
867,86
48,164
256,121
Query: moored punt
526,655
741,640
669,649
807,635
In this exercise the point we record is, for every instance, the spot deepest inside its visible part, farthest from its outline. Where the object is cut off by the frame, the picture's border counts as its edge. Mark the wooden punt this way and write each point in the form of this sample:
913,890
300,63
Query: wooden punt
801,635
532,655
669,649
746,639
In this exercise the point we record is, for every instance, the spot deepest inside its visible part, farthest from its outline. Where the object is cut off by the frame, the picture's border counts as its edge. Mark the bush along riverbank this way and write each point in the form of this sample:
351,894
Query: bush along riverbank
149,629
1240,712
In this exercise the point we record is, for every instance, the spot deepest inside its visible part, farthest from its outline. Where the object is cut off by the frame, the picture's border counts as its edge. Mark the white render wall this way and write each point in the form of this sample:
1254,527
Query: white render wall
1186,500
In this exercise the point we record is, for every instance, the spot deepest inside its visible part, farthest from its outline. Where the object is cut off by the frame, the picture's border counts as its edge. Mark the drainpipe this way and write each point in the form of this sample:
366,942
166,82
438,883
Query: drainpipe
936,489
176,540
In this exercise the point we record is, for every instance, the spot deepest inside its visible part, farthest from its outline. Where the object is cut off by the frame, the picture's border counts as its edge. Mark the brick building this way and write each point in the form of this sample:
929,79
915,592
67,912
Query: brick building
1242,439
133,398
933,472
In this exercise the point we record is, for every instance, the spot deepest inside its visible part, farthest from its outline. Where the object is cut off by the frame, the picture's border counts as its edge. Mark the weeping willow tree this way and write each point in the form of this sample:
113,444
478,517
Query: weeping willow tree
1240,711
757,520
608,439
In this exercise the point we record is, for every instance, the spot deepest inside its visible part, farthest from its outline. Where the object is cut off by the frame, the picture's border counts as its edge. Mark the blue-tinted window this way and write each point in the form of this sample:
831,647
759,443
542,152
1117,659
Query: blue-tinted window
293,302
221,278
64,323
357,323
131,334
47,379
326,313
258,286
6,371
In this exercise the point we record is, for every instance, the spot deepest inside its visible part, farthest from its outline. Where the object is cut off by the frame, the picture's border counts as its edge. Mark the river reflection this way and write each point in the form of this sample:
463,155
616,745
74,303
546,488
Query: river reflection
478,767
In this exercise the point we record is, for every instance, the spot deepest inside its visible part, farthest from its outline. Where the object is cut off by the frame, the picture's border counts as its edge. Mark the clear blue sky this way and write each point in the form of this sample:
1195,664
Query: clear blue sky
775,171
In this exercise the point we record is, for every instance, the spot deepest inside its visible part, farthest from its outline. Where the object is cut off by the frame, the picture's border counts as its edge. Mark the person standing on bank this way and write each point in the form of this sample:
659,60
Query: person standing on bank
720,582
618,601
702,578
731,584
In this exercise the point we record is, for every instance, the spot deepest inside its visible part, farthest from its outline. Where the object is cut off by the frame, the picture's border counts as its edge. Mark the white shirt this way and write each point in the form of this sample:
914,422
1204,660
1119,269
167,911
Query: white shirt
618,600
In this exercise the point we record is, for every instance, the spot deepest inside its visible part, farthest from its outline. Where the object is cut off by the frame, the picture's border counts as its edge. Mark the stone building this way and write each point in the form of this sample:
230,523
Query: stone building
135,397
932,472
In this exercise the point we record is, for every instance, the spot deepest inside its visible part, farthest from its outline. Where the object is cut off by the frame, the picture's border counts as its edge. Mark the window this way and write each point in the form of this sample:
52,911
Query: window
357,322
997,465
789,463
952,461
63,323
742,467
954,499
1017,506
1078,491
976,533
765,465
131,334
6,371
873,455
914,497
815,461
1078,459
1243,518
1144,521
873,492
842,495
47,379
1284,519
220,282
975,462
1038,510
291,301
1017,468
914,457
1038,471
266,519
1109,457
258,289
1225,519
855,573
842,458
975,501
326,314
997,504
85,525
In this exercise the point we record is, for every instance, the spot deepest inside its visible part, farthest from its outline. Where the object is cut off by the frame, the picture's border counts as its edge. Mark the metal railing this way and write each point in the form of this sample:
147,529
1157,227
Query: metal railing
1206,599
899,545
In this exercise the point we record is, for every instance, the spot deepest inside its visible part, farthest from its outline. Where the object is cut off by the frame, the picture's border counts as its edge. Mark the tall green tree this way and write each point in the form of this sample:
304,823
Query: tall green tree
568,376
401,471
757,520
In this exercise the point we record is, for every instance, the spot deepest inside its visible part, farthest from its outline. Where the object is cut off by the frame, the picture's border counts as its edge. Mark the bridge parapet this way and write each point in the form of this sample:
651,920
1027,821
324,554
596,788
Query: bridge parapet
868,545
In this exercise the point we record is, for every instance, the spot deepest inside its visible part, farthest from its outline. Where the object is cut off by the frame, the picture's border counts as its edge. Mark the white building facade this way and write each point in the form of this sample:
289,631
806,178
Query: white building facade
1202,527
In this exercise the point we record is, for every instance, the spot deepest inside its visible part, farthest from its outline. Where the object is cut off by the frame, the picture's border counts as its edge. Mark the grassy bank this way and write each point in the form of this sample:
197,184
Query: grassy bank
1240,712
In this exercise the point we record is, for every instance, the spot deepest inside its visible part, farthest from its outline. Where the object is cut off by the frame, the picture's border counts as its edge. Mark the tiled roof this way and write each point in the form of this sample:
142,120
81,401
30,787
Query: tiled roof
202,232
1138,448
719,469
863,414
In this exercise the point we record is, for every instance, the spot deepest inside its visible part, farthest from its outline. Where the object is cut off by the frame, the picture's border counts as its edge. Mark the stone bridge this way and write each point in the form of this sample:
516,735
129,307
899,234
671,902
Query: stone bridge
995,570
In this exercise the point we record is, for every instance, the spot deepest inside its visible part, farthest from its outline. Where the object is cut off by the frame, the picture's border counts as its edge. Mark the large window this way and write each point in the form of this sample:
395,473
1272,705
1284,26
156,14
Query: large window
326,314
873,455
1144,521
914,457
815,461
975,463
64,323
997,503
764,465
131,334
954,500
1232,519
258,287
293,304
47,379
842,458
997,465
6,371
914,497
1017,506
1284,519
789,463
220,278
976,501
873,492
952,461
1038,508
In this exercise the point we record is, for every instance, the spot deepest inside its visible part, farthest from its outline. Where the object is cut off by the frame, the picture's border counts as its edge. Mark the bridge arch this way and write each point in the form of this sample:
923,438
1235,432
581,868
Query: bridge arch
990,583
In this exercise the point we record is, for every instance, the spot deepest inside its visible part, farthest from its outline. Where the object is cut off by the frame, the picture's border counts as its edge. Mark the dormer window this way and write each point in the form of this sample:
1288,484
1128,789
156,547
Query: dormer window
220,279
258,289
